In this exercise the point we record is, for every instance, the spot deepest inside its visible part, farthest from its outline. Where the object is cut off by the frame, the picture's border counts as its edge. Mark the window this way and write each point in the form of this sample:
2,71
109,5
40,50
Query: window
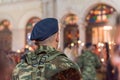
99,14
29,28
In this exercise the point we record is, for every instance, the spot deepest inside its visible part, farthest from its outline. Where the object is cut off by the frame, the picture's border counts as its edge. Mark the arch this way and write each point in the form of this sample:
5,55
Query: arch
27,16
64,16
97,24
29,26
86,10
4,16
99,14
5,36
63,26
69,27
22,24
69,22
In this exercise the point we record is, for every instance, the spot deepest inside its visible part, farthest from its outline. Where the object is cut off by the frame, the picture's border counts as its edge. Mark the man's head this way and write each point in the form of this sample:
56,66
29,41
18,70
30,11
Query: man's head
88,45
44,30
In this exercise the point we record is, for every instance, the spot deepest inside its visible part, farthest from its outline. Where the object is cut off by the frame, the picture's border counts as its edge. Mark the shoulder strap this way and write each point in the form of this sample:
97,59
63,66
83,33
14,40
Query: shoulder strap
30,57
54,54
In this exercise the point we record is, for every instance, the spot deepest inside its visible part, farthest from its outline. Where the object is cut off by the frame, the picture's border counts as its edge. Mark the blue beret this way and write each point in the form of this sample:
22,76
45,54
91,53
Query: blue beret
44,29
87,45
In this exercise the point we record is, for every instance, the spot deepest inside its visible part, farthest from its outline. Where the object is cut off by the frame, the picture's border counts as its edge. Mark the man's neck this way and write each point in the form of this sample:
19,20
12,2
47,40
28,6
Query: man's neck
51,45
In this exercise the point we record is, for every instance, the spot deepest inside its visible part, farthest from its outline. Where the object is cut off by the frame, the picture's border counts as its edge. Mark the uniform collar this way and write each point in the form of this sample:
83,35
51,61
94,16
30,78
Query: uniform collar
44,49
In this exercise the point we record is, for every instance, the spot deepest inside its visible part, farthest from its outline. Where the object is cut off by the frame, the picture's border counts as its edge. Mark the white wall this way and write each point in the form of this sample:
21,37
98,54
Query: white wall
18,14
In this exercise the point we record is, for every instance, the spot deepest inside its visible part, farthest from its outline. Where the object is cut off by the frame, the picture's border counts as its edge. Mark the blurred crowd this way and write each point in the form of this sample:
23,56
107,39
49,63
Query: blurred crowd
8,61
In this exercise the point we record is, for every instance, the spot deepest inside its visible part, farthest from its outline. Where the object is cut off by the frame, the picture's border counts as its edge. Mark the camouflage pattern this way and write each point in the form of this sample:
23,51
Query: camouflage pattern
88,62
45,64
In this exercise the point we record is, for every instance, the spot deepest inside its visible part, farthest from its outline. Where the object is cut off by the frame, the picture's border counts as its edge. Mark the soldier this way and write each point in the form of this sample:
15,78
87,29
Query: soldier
88,62
46,62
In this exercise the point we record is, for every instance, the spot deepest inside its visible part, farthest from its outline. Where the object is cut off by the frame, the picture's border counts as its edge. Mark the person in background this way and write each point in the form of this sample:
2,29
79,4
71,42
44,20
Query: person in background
88,63
95,50
115,54
69,53
46,62
5,66
109,66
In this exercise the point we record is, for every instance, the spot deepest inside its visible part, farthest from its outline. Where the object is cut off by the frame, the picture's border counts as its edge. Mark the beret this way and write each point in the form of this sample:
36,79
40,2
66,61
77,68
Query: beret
87,45
44,29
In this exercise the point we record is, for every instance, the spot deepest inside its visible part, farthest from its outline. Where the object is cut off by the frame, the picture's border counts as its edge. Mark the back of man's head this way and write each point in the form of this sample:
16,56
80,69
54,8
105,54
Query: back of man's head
44,29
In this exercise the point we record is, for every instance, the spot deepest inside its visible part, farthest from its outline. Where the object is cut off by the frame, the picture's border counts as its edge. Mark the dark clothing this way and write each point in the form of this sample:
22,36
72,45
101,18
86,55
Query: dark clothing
49,63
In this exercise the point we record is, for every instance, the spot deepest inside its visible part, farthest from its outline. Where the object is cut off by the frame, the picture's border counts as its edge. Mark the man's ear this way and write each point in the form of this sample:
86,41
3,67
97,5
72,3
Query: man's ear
57,37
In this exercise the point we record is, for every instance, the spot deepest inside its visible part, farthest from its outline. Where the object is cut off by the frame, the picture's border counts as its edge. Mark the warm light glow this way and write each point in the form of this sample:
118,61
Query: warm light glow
99,18
96,12
99,49
30,48
104,17
79,41
72,44
88,18
18,51
107,27
110,42
112,9
100,44
1,27
82,44
91,12
27,46
103,11
102,60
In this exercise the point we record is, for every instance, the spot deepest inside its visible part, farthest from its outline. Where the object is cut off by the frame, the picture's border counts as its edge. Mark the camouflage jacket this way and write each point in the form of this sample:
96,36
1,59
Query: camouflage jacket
58,68
88,63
